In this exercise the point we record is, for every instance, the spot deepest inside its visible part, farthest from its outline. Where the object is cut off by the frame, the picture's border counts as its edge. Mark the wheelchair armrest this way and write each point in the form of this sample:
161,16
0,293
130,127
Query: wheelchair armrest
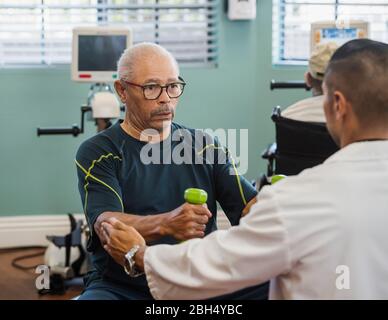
269,153
276,113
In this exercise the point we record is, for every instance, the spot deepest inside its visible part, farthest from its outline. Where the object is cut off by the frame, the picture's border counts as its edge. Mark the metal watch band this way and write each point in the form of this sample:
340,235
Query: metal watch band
130,266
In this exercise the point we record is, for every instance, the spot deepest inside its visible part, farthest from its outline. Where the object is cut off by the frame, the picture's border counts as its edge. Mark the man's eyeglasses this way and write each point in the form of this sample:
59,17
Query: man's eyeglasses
153,91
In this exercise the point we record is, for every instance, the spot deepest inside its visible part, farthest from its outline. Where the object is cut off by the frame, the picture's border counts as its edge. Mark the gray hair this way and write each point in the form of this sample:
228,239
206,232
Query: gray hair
127,61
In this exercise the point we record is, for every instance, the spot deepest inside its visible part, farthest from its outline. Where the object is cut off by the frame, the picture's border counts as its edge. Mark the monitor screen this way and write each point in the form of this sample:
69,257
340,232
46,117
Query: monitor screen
332,31
335,33
100,52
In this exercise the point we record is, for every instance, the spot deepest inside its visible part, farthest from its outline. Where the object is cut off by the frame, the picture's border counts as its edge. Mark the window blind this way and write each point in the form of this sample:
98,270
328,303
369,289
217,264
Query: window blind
38,32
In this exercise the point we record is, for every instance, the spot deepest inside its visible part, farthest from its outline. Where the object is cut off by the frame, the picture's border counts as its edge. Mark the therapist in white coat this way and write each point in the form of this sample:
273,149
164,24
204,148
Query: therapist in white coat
319,235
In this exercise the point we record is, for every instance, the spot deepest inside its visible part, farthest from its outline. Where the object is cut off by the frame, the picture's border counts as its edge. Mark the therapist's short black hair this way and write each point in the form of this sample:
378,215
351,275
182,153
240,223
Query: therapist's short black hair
359,69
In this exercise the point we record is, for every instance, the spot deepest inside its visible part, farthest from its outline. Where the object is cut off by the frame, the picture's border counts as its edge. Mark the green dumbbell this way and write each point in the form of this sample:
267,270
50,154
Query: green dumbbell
277,177
195,196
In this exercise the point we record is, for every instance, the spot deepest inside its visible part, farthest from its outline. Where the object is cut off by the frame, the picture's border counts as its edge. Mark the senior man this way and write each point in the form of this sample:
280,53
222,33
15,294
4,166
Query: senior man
311,109
135,172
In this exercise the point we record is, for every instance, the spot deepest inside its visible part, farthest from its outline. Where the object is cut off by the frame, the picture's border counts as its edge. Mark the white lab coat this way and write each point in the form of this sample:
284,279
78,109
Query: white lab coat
319,235
307,110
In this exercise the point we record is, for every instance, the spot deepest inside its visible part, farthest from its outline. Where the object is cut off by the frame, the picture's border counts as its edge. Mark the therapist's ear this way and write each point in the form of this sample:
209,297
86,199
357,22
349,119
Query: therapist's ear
341,105
120,89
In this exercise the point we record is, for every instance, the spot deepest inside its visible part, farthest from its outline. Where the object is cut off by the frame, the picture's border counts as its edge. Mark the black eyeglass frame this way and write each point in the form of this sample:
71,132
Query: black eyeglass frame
183,83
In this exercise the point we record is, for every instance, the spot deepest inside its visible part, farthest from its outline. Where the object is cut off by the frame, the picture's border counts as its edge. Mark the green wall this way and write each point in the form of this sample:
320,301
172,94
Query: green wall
38,174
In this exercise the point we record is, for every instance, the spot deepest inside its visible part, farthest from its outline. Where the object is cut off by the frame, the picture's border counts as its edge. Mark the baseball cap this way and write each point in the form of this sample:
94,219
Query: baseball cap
320,58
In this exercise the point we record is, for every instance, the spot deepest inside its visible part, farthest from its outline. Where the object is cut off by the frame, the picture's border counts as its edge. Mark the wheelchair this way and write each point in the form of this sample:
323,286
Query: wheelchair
299,145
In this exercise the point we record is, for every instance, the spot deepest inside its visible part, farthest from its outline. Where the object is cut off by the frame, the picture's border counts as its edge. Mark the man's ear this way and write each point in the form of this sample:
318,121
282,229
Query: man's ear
341,105
120,89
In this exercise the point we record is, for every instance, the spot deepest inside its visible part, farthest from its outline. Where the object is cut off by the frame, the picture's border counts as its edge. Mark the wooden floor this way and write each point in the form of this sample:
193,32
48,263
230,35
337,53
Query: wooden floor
19,284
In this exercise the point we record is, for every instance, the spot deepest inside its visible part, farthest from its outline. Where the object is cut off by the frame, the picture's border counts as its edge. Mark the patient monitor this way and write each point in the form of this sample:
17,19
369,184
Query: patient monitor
337,31
95,52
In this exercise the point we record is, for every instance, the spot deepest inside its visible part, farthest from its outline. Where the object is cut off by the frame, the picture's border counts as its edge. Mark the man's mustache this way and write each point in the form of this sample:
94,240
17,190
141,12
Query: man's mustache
162,110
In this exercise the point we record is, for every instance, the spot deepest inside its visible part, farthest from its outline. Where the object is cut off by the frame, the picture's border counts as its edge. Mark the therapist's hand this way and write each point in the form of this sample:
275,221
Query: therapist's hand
120,238
104,217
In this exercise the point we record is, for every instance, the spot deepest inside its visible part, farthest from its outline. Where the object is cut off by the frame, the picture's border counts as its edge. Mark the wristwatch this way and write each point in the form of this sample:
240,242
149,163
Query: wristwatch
129,265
